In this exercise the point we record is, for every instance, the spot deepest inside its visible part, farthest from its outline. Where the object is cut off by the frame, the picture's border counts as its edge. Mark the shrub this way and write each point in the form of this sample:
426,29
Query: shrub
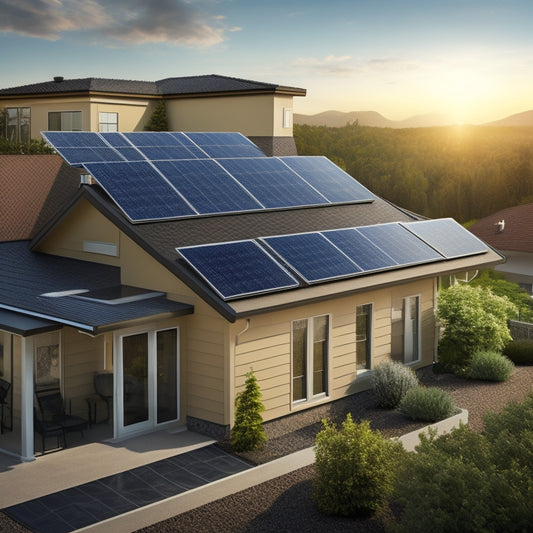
473,319
355,468
489,366
520,352
391,380
428,404
248,432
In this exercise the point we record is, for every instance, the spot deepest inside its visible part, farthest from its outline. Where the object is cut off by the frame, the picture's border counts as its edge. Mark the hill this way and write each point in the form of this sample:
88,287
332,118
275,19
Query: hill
338,119
519,119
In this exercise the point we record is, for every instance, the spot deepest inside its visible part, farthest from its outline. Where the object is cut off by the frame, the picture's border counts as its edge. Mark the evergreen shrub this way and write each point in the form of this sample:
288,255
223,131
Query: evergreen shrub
489,366
248,432
428,404
355,468
390,381
520,352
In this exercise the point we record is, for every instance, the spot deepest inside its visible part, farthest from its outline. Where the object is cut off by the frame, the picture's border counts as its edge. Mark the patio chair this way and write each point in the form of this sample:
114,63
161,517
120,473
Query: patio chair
4,392
103,386
52,409
48,429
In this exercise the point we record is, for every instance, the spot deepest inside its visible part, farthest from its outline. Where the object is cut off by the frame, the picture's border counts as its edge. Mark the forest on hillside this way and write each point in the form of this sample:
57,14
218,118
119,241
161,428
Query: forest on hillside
464,172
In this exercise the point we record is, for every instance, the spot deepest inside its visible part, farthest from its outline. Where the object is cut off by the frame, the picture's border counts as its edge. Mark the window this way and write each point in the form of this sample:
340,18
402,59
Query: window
47,366
287,117
18,124
64,121
363,336
411,329
310,346
107,122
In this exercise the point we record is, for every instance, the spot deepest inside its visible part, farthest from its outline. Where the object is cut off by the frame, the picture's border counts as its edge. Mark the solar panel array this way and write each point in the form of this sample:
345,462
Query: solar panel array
154,176
236,270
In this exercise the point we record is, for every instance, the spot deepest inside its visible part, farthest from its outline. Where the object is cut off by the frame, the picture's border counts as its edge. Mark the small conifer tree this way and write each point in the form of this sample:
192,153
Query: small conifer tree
158,121
248,433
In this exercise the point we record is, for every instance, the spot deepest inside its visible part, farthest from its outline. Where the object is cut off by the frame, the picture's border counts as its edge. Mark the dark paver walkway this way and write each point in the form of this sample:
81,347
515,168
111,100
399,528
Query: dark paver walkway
87,504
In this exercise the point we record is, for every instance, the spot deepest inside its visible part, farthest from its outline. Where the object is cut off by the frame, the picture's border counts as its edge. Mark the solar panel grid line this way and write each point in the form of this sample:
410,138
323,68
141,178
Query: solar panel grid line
238,269
225,144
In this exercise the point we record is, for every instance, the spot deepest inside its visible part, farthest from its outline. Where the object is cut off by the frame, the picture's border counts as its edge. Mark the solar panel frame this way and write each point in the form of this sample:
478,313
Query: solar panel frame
447,236
312,256
136,182
207,186
267,179
339,187
243,257
164,145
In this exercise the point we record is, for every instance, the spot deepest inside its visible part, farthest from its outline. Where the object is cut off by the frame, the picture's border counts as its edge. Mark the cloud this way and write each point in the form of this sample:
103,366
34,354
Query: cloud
176,22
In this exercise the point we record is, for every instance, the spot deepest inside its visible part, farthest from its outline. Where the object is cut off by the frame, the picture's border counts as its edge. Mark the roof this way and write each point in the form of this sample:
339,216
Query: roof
51,290
516,234
178,86
26,182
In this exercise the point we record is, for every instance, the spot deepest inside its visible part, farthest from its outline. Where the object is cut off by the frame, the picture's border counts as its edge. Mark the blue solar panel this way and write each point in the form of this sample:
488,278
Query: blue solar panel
164,145
400,244
327,178
272,183
207,186
73,139
77,156
140,191
359,249
237,269
448,237
312,256
219,145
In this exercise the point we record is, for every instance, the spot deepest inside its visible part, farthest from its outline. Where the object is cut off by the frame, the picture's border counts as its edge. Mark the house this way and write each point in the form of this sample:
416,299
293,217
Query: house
261,111
176,262
509,231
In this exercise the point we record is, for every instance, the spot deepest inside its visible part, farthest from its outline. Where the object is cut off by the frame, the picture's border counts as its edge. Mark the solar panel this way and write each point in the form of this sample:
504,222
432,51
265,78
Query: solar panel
272,183
122,146
207,186
77,147
327,178
140,191
400,244
360,250
219,145
447,236
312,256
164,145
237,269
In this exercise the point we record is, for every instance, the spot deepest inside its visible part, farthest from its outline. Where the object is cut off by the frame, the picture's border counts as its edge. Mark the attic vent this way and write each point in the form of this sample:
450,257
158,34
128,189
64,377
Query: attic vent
87,179
58,79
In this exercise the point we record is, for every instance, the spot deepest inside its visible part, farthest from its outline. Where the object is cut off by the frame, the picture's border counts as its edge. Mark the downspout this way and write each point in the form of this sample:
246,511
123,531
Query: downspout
232,373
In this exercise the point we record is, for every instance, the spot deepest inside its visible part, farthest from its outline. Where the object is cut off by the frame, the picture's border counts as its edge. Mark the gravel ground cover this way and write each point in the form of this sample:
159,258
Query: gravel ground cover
284,504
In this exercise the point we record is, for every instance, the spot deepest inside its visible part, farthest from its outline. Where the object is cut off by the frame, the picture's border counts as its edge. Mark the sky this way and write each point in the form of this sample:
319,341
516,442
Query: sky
471,60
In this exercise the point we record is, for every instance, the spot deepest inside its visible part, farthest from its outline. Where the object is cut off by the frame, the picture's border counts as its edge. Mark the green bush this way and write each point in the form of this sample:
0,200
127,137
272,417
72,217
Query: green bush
355,469
489,366
474,319
248,432
520,352
391,380
468,482
428,404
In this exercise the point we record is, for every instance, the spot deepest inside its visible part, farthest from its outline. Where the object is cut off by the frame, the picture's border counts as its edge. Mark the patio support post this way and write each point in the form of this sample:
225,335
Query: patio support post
27,447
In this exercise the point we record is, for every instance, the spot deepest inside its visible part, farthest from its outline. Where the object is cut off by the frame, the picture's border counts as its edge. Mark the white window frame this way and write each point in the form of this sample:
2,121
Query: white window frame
107,121
408,343
309,396
370,330
287,117
63,119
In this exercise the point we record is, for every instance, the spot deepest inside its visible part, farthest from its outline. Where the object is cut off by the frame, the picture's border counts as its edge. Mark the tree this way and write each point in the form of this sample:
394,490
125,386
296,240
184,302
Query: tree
248,433
474,319
158,121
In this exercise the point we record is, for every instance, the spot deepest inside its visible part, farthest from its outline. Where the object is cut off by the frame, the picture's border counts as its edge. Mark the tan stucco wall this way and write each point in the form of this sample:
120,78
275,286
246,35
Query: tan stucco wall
260,115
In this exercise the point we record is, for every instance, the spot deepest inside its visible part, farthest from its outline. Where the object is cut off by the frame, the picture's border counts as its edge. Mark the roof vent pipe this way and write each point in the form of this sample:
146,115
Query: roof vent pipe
501,225
58,79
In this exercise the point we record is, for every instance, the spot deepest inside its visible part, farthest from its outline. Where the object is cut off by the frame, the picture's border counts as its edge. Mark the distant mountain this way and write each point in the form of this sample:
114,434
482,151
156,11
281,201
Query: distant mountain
338,119
519,119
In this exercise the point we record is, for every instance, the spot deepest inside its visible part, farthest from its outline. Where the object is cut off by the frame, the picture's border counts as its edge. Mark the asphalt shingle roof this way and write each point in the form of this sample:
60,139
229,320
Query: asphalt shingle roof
188,85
